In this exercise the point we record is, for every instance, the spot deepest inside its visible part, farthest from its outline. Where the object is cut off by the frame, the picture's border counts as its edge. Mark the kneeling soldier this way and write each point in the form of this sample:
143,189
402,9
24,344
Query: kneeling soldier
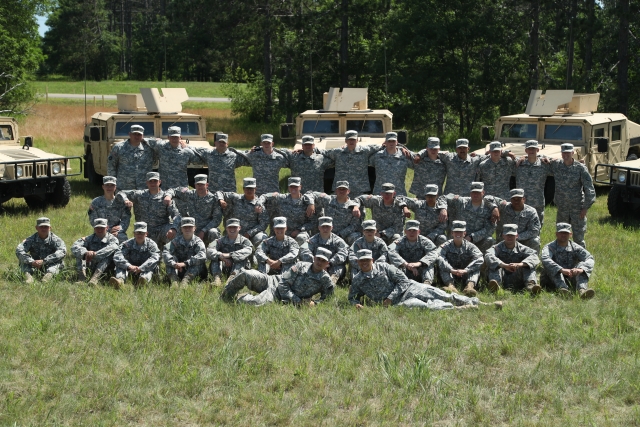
43,252
95,252
326,239
229,254
138,256
460,261
185,256
512,264
296,286
278,253
417,254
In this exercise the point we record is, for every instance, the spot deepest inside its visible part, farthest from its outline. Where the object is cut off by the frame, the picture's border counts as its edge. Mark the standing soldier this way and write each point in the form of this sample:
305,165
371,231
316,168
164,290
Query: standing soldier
369,241
185,256
95,252
43,252
222,163
201,205
130,160
388,211
278,253
339,250
521,214
496,171
308,165
431,213
266,165
112,208
174,156
460,261
416,255
230,254
428,169
340,207
138,256
391,165
149,207
250,210
574,192
531,176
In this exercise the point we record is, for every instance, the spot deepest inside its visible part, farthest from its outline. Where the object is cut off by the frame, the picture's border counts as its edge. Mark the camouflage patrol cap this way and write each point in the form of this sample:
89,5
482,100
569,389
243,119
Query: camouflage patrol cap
462,142
233,222
431,190
325,220
510,229
459,226
566,148
279,222
516,192
365,254
391,136
477,186
495,146
187,221
266,137
100,223
294,181
433,142
342,184
323,253
222,137
174,131
140,227
351,134
532,143
43,221
387,187
412,224
153,175
137,129
308,139
563,227
369,225
249,183
109,180
201,178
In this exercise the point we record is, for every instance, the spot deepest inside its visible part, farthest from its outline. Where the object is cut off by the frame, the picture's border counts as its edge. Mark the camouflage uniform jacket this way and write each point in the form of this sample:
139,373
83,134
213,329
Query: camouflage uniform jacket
430,225
103,247
466,257
378,248
295,210
556,257
527,219
390,168
479,225
51,250
353,166
574,186
301,282
130,164
460,173
382,282
146,256
240,249
389,219
531,177
500,254
266,170
427,171
310,169
191,252
205,210
151,209
423,250
337,246
222,167
285,251
115,212
496,176
173,163
239,207
344,223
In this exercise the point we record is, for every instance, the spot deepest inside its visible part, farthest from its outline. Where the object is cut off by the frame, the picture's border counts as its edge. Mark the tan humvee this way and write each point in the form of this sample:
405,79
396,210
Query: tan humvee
32,173
624,178
151,110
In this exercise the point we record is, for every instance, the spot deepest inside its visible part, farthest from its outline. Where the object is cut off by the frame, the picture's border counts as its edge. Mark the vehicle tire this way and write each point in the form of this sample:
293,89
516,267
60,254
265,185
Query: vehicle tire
61,194
92,175
36,202
549,190
616,205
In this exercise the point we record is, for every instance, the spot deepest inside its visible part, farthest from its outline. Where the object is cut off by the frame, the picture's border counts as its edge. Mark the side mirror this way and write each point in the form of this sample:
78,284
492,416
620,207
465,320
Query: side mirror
403,136
603,144
287,131
486,133
28,141
95,133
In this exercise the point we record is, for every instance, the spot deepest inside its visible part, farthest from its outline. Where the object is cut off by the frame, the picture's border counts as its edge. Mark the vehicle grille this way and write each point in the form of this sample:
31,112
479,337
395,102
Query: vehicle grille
41,170
634,179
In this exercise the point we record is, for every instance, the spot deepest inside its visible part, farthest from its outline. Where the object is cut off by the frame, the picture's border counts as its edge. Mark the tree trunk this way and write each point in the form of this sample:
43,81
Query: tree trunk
623,58
588,46
570,45
344,45
534,71
267,77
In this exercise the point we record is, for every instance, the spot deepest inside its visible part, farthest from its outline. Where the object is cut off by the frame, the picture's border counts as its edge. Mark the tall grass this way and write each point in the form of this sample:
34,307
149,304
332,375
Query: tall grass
111,87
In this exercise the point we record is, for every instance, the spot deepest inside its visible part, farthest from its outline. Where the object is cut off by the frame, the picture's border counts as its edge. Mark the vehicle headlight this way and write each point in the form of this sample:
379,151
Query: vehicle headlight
56,168
622,177
19,171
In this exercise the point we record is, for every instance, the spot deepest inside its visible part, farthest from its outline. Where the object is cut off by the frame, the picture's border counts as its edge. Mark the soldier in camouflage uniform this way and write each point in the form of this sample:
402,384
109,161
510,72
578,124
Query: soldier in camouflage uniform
496,171
185,256
222,163
384,283
266,164
138,256
308,165
388,211
431,213
369,241
174,156
254,219
112,208
229,254
341,208
200,204
148,206
512,264
566,263
526,217
293,206
278,253
479,214
531,176
130,160
460,261
335,245
95,252
428,169
416,255
296,286
391,165
42,252
574,193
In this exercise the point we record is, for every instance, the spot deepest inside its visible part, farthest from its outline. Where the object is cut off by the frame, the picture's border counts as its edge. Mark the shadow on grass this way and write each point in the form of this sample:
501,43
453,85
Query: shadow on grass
83,188
628,221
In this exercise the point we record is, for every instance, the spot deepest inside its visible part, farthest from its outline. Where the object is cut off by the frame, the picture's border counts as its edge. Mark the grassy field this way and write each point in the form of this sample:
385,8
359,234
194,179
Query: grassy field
72,355
111,87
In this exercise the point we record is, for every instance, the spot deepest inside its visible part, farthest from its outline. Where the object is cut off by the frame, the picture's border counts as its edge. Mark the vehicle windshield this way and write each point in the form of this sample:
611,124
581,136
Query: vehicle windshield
563,132
123,128
365,126
6,133
519,130
187,128
321,126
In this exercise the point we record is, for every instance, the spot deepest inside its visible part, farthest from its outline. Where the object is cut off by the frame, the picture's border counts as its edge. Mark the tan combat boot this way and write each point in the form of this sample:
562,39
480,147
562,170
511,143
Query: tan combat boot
334,279
184,284
493,286
587,293
116,283
469,290
95,278
533,288
28,278
449,287
141,282
174,282
564,293
217,280
47,278
82,275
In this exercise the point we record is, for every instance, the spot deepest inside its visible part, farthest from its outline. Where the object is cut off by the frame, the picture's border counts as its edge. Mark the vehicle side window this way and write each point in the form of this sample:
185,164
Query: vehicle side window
563,132
187,128
616,133
123,128
365,126
519,130
6,133
321,126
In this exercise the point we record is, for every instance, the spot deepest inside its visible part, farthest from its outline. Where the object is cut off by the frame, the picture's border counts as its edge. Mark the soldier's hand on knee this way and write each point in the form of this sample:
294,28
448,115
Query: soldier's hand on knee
167,200
566,272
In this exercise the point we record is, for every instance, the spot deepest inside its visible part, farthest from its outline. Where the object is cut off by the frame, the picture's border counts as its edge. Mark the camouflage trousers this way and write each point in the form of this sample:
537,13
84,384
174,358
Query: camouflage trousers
558,281
52,268
350,238
194,270
540,210
390,241
159,234
122,274
302,237
258,238
209,236
447,277
424,274
516,280
485,244
578,225
419,295
437,239
102,265
121,236
266,286
219,267
263,267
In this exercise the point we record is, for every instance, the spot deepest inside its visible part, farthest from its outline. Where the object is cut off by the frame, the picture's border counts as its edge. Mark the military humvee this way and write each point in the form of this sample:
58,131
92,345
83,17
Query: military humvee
624,178
343,110
29,172
560,116
153,111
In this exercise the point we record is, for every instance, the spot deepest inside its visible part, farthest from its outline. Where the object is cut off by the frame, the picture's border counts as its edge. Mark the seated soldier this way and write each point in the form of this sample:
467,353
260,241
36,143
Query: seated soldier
42,252
185,256
376,245
230,254
388,211
416,254
383,283
95,252
326,239
112,208
340,207
249,209
460,261
138,256
431,213
278,253
512,264
297,286
566,263
521,214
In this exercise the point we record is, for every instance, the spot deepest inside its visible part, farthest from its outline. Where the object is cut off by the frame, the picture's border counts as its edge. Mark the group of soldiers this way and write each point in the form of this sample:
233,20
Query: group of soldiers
318,241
